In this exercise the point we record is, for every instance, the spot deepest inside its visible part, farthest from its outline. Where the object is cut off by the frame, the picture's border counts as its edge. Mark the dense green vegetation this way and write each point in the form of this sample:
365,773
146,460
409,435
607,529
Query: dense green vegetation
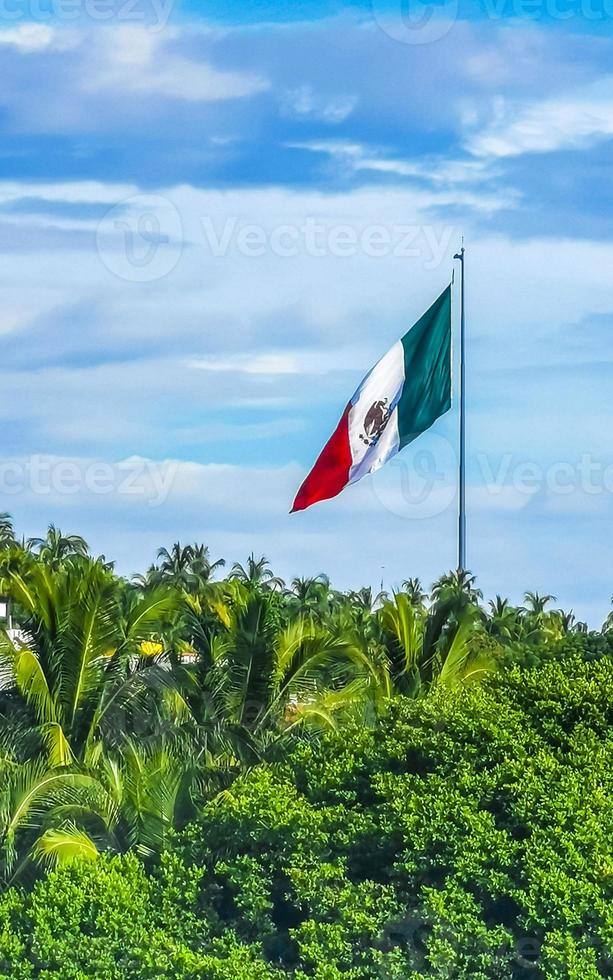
239,778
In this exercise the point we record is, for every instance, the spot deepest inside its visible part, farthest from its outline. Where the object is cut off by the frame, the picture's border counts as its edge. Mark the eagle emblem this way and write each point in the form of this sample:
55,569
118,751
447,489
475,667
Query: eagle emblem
375,421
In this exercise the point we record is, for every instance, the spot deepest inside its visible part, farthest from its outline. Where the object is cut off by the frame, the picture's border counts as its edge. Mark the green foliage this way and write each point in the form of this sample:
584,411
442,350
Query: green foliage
468,835
110,920
242,779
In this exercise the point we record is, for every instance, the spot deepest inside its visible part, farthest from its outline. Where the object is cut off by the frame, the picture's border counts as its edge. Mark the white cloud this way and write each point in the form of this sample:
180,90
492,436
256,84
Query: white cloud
332,147
28,38
69,192
314,361
18,308
139,483
568,121
440,173
305,103
134,59
276,363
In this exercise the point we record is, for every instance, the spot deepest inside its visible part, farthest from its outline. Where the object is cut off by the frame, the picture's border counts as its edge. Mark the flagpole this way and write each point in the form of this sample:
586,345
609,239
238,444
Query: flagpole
462,469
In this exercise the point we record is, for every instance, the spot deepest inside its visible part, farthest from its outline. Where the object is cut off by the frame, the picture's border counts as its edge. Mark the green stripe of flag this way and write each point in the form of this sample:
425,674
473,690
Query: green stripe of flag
426,392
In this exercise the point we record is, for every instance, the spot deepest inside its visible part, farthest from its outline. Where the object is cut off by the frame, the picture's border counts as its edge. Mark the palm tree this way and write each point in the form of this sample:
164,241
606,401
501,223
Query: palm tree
366,600
309,596
202,566
355,612
81,667
427,647
149,580
569,623
257,573
29,792
504,621
540,624
607,626
138,798
130,801
56,547
7,534
264,680
90,669
457,588
176,565
414,590
188,567
536,603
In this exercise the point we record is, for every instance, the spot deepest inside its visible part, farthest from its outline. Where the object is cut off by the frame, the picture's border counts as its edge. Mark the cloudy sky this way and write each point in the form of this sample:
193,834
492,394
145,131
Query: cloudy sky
213,221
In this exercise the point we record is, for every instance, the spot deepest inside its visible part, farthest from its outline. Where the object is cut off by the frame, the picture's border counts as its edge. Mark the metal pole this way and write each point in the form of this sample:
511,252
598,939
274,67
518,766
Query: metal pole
462,470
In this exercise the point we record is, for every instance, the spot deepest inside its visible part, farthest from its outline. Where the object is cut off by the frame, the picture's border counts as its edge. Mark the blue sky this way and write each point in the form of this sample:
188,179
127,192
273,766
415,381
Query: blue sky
215,217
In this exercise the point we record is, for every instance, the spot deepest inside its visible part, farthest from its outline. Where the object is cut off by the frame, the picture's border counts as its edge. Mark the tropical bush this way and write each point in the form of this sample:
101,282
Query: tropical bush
467,835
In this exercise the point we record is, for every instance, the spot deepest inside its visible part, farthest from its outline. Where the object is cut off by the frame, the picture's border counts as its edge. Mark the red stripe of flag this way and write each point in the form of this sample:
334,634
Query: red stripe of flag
331,471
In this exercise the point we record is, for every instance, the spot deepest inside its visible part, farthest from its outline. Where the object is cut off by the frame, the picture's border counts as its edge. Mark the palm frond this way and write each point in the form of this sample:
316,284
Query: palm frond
62,845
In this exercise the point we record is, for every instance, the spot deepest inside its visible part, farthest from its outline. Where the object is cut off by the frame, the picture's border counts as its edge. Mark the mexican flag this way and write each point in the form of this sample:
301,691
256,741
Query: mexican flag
405,392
